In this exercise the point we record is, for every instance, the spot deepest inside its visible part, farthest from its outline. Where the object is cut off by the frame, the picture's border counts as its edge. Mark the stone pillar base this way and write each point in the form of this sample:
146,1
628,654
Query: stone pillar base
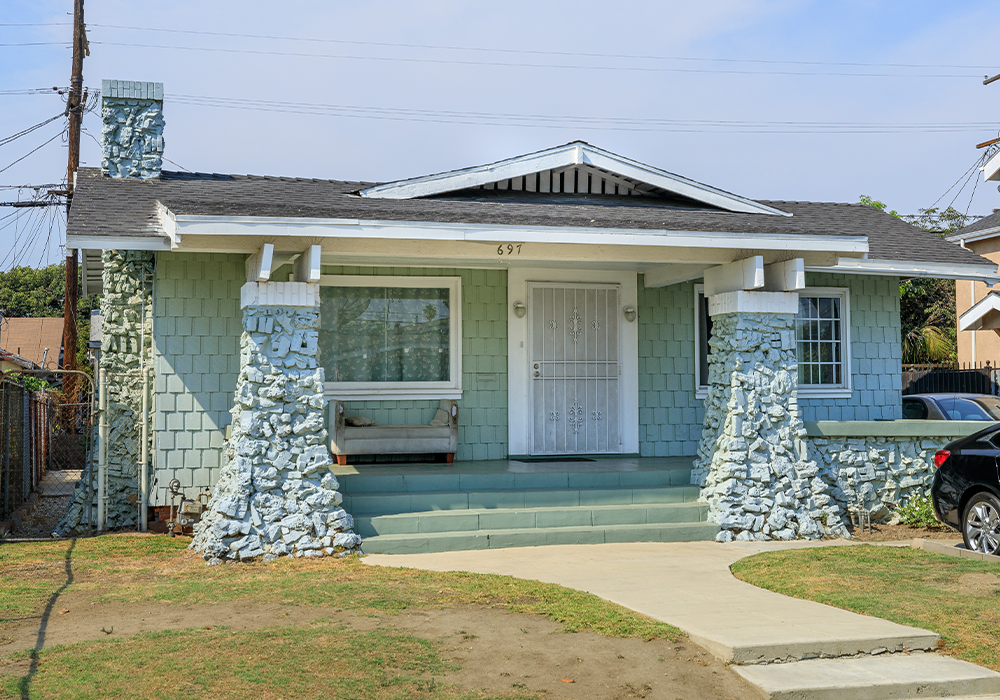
751,463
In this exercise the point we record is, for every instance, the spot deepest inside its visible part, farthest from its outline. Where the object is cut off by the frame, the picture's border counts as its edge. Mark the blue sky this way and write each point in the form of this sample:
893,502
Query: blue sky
906,167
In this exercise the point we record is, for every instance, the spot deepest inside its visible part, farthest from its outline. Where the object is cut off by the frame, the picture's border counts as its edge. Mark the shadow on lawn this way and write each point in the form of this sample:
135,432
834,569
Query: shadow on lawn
44,623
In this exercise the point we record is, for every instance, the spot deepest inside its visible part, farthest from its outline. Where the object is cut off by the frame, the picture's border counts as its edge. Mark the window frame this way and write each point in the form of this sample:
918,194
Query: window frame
403,391
838,391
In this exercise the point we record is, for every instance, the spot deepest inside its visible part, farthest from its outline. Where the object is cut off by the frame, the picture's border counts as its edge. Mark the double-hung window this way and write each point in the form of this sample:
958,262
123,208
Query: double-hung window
822,341
391,337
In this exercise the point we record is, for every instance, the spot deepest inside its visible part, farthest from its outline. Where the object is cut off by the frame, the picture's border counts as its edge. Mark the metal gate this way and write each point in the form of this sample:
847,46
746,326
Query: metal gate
574,368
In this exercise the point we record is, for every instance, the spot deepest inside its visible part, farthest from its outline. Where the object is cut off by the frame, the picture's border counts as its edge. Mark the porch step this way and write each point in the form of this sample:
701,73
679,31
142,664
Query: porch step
474,519
507,481
531,537
395,502
924,675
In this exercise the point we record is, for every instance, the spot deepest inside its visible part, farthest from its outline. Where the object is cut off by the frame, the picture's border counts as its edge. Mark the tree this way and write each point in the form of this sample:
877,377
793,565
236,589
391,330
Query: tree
927,306
30,292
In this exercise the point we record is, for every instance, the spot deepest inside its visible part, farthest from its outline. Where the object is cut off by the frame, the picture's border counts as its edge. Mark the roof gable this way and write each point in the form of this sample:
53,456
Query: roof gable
577,168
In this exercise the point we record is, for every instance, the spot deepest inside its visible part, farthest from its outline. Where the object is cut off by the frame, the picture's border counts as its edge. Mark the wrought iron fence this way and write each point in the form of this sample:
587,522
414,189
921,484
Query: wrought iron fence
979,378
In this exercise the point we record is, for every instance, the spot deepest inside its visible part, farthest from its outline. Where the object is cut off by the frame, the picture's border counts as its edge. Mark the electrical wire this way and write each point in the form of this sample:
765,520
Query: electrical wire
40,43
563,54
512,64
33,151
978,162
575,121
25,132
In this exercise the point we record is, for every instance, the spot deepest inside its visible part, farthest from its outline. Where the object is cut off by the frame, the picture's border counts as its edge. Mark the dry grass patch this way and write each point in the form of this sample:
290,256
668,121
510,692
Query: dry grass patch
322,661
132,569
957,598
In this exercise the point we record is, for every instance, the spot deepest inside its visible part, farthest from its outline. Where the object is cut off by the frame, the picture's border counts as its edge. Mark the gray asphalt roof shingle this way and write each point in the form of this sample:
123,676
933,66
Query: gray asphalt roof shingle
104,206
987,222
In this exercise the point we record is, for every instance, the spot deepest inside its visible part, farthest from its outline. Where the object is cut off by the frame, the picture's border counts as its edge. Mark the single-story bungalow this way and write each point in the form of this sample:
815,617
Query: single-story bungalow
605,350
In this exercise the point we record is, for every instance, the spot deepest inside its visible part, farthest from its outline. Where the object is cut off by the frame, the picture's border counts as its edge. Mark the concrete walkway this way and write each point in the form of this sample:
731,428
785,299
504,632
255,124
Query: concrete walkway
689,585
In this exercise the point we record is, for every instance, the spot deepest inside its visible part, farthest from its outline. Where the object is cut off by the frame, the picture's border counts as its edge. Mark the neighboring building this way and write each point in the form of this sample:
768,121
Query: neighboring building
11,362
38,340
978,336
573,302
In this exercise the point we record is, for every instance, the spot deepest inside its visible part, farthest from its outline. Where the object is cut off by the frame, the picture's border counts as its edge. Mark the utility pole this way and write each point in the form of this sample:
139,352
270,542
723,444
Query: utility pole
75,104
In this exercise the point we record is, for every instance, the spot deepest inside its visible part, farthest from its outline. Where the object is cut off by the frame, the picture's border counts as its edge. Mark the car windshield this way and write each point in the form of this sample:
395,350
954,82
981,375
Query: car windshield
965,409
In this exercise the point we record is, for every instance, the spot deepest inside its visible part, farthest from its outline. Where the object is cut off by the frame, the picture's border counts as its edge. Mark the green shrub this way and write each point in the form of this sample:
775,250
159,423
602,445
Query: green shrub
918,512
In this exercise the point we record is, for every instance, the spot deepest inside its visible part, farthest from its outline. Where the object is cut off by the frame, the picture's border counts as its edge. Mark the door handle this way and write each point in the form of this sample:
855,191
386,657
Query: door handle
537,374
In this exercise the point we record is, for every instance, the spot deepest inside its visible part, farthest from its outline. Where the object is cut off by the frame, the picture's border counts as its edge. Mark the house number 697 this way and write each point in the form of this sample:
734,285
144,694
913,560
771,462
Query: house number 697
509,249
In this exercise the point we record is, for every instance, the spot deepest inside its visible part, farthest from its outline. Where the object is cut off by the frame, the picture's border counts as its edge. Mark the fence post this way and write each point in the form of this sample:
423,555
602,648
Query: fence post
144,455
102,464
5,428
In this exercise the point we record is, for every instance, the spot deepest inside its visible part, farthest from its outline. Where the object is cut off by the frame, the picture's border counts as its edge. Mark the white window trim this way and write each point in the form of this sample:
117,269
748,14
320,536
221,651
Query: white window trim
406,391
809,391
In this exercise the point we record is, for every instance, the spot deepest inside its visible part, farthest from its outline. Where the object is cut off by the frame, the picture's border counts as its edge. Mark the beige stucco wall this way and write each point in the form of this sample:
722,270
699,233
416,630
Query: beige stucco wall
977,346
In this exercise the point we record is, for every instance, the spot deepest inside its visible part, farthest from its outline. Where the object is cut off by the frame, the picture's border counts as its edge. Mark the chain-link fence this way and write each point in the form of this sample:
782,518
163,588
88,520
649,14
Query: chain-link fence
45,442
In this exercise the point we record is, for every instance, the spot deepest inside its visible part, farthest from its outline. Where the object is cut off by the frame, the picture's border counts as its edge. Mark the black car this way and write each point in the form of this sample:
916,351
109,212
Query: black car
966,488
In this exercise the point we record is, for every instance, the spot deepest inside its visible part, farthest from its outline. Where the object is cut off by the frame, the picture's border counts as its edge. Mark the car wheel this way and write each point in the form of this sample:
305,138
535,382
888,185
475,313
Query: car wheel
981,524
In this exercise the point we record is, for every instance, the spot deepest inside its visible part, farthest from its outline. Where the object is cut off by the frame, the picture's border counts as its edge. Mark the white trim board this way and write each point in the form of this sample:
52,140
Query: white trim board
567,155
518,371
974,319
903,268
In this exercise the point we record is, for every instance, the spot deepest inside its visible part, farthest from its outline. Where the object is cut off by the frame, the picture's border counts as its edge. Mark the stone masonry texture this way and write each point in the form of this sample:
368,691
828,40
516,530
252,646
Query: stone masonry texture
126,309
875,474
751,464
276,495
132,131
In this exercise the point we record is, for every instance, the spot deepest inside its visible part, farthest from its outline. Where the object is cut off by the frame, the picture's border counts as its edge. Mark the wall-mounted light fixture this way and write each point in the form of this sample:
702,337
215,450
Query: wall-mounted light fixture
520,309
629,312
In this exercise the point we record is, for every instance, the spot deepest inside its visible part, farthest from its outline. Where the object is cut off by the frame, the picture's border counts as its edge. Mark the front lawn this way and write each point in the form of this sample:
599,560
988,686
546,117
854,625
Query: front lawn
330,654
957,598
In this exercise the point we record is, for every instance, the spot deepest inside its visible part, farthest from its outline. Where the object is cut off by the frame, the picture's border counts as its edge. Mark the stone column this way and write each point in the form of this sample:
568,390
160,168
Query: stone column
126,344
751,463
276,496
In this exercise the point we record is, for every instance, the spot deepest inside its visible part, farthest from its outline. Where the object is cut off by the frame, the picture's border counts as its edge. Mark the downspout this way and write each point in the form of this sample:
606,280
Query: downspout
972,294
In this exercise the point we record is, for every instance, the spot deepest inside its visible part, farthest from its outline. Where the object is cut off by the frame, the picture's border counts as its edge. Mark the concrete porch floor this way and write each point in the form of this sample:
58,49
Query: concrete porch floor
527,465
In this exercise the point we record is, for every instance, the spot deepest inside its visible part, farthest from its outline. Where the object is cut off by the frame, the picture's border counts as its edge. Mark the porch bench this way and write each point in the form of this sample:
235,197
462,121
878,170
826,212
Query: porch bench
393,439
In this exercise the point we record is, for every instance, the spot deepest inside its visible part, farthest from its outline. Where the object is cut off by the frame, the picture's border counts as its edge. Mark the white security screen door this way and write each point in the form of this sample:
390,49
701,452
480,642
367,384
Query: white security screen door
574,369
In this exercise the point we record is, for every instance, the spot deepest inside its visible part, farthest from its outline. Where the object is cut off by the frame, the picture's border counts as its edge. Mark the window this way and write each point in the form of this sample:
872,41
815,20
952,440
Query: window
914,409
822,342
819,339
391,337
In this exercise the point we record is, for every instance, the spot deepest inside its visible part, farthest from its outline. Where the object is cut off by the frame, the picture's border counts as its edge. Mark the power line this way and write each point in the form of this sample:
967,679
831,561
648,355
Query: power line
39,43
32,151
576,121
572,54
511,64
25,132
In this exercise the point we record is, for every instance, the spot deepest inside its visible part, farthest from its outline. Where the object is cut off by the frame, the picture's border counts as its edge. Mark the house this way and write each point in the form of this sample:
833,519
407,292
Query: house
621,352
37,340
977,303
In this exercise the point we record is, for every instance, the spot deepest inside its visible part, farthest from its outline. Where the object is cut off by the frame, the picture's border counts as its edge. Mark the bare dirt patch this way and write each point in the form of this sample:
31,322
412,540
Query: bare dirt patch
977,584
498,651
882,532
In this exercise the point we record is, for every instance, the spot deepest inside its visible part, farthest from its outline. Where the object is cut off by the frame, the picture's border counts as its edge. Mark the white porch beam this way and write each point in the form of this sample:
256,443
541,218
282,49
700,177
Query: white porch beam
787,276
666,275
740,275
307,265
259,264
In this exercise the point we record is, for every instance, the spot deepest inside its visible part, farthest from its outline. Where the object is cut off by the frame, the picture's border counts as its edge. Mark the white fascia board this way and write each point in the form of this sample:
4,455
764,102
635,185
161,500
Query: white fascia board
168,224
562,157
904,268
276,227
963,238
117,242
991,169
975,318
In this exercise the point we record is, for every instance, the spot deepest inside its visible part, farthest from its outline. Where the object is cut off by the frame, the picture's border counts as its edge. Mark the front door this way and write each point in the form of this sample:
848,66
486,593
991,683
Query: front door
574,368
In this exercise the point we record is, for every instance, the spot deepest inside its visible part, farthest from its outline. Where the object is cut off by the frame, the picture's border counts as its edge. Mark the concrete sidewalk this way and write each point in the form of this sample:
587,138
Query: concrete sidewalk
689,585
